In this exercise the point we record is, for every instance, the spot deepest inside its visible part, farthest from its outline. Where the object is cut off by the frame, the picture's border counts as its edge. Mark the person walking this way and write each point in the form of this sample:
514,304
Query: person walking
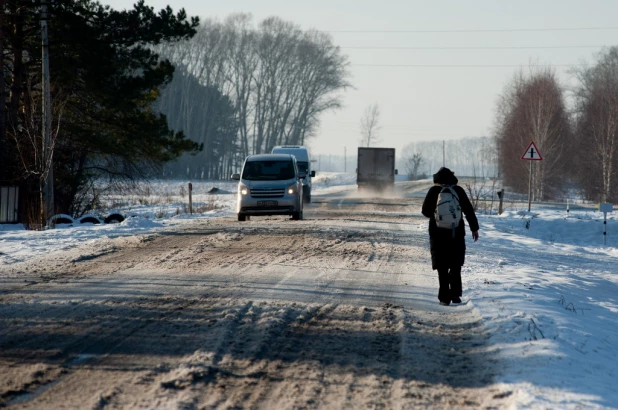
446,240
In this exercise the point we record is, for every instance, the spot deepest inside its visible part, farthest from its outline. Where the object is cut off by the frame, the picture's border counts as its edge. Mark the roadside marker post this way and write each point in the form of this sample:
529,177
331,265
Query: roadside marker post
567,206
605,208
190,198
531,154
501,198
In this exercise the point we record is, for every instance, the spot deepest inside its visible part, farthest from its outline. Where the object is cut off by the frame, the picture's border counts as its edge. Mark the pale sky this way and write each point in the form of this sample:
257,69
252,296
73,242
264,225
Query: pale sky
430,100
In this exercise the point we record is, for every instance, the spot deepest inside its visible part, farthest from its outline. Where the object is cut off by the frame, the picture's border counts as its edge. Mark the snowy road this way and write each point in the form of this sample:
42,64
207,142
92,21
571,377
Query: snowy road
336,311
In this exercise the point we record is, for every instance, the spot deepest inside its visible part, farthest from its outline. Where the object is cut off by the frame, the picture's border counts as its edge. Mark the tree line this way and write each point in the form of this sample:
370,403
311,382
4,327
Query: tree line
134,90
104,79
470,157
247,87
575,129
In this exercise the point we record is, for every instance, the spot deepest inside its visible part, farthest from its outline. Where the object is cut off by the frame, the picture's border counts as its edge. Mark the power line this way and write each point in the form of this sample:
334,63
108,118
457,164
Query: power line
465,47
513,30
400,127
411,133
465,65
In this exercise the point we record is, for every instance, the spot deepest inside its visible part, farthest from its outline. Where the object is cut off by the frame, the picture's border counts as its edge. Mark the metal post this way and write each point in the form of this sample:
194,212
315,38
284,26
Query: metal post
48,149
530,188
190,198
604,228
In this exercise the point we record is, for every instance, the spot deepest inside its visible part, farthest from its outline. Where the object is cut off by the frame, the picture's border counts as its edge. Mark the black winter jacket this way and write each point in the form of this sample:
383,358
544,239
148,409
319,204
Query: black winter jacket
447,251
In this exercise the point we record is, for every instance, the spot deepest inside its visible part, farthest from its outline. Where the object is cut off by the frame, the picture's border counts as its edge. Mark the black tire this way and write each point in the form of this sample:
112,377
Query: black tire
89,219
241,217
297,216
114,219
61,220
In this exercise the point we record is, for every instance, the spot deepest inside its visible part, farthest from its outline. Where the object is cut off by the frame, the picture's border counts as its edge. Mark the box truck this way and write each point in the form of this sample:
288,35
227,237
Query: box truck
376,168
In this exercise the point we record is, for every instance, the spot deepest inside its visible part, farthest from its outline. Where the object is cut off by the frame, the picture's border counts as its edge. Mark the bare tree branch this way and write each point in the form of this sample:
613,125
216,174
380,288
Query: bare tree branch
370,126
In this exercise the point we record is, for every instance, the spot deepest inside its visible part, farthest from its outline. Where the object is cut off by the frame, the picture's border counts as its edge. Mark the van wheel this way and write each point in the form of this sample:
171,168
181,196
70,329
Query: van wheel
241,218
297,216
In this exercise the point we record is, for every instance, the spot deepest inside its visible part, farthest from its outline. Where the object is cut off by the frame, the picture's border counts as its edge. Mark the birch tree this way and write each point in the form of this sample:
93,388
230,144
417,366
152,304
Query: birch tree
532,108
597,127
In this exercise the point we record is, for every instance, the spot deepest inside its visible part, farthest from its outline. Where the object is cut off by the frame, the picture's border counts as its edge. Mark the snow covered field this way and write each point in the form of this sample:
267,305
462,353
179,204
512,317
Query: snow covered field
544,283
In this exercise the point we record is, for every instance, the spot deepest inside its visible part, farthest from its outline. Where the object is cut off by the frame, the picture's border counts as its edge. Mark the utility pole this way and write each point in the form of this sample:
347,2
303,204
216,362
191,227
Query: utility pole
3,143
443,153
48,149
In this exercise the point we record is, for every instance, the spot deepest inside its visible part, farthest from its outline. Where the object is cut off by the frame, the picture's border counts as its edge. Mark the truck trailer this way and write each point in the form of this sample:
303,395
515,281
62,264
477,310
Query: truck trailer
376,168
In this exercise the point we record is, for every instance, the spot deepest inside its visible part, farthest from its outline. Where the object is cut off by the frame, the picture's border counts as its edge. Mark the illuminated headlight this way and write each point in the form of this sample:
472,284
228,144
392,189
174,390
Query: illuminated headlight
291,189
243,190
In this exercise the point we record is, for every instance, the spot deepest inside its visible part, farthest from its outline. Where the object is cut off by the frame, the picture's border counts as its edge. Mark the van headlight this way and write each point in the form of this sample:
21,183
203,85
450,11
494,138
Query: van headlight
292,189
243,190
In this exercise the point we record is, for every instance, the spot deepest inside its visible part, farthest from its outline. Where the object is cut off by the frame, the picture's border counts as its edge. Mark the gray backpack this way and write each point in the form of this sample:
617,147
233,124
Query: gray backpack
448,209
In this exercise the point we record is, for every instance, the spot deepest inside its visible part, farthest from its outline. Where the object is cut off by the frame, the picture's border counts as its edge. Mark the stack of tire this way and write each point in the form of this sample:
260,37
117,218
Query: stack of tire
64,219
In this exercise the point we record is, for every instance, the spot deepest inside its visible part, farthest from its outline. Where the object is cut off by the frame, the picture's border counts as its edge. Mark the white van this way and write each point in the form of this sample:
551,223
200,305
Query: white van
269,185
304,165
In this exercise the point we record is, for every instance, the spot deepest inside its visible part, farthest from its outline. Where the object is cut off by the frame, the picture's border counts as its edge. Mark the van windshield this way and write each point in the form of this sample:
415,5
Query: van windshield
303,167
268,170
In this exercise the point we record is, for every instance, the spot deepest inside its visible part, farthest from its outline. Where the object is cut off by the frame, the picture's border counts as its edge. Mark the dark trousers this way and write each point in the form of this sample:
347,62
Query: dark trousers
450,283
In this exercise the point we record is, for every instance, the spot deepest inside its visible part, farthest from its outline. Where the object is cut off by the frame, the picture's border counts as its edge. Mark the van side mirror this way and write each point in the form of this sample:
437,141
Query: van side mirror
312,174
396,172
236,177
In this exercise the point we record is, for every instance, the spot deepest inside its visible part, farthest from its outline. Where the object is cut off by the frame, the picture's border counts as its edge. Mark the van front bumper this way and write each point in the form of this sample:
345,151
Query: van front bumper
286,205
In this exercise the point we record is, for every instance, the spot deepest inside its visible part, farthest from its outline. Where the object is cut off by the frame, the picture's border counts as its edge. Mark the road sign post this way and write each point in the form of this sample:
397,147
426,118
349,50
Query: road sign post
531,154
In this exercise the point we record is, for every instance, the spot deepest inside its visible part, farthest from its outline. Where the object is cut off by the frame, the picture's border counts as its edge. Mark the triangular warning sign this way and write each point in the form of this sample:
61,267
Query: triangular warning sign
532,153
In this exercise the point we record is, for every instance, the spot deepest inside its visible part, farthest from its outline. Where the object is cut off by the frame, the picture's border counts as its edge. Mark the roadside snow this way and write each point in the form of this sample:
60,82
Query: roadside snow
544,283
547,293
160,205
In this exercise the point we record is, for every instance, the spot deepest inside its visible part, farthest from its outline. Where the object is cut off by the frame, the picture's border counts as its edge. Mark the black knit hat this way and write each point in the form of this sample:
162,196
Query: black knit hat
445,176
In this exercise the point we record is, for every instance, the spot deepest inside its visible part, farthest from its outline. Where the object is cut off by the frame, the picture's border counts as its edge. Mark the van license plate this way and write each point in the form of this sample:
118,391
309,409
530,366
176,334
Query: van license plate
268,203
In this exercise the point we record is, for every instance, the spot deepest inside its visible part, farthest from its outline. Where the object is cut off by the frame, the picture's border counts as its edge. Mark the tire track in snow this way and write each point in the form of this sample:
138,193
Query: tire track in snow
261,335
